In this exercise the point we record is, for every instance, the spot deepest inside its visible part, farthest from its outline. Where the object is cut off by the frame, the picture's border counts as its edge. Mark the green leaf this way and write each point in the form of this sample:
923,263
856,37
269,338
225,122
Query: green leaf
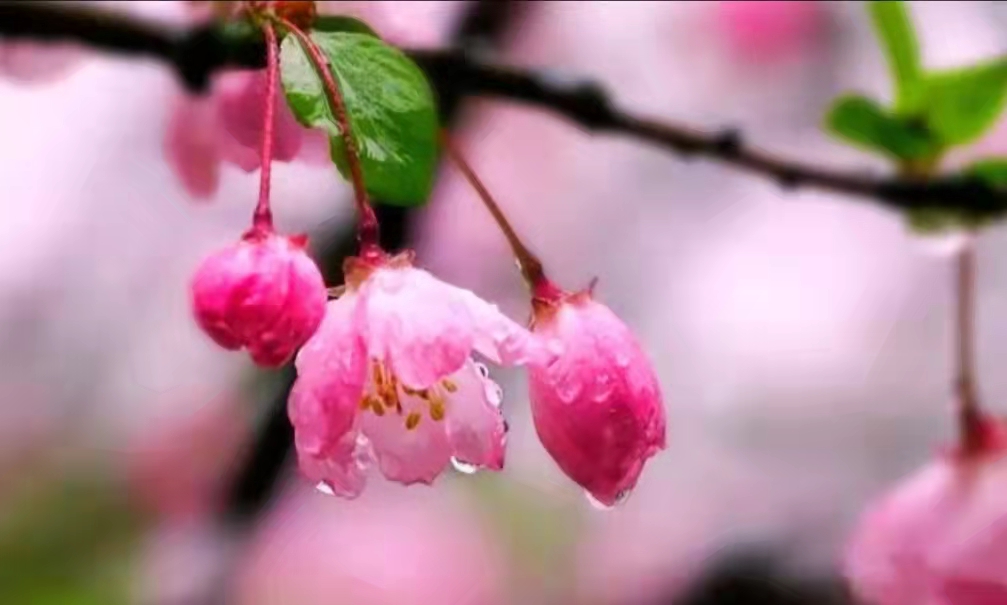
962,104
389,104
898,39
864,123
342,23
991,170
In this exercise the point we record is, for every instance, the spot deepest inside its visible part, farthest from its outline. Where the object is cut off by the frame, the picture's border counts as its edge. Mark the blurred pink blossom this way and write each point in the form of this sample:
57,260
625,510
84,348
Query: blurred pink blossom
226,126
768,30
178,468
938,538
418,23
415,548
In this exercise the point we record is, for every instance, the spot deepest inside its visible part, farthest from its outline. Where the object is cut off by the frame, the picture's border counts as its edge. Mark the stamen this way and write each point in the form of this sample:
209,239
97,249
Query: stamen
449,385
437,410
412,420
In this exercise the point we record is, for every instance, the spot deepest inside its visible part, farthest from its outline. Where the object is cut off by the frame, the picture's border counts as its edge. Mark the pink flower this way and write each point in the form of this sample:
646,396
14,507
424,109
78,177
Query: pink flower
34,62
597,407
264,294
390,375
770,29
226,126
392,548
938,538
176,468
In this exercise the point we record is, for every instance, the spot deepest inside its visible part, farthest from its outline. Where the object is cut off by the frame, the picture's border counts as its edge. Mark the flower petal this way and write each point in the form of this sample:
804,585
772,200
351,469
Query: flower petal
416,455
417,325
191,148
476,428
497,337
324,402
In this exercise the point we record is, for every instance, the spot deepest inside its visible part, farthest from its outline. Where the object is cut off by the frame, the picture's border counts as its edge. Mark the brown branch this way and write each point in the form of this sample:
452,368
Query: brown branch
197,53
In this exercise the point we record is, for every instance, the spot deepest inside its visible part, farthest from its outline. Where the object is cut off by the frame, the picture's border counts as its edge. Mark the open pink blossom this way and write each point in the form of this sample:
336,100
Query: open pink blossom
597,407
939,537
390,375
226,126
264,294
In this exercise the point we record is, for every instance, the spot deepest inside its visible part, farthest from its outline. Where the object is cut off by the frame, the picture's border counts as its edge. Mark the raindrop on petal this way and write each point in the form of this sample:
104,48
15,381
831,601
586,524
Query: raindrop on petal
483,370
325,488
463,467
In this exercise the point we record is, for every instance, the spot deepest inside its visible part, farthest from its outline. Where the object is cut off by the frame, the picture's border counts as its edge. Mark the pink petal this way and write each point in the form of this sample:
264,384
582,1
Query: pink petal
325,400
476,428
191,146
597,408
315,148
240,98
416,455
416,325
426,329
969,592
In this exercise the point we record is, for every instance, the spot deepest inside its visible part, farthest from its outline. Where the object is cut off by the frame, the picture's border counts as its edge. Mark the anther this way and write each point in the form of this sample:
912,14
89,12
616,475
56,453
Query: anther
412,421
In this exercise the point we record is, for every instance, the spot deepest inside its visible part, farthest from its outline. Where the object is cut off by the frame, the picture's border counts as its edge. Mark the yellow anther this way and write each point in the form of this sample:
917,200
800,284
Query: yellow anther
437,410
412,421
449,385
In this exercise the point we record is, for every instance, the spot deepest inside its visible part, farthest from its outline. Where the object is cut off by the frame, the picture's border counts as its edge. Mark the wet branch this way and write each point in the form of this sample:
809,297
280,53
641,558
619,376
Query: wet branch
199,52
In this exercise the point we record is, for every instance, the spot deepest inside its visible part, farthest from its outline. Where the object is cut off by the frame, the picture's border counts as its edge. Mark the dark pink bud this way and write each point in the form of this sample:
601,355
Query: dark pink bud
597,406
264,294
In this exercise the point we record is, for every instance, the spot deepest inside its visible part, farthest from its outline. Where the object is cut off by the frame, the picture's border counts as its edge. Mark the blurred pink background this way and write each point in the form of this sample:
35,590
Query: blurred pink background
802,339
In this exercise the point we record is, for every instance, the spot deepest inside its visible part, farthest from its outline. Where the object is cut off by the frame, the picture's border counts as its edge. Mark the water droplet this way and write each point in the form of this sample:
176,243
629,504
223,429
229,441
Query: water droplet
494,394
619,499
506,427
325,488
483,370
463,467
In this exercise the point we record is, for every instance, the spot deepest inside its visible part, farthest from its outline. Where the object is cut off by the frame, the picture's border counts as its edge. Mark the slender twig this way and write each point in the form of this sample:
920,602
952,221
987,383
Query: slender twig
969,410
531,266
199,52
262,220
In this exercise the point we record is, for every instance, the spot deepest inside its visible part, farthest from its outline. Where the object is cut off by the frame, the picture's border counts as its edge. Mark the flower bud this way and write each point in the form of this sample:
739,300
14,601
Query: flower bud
597,407
938,537
264,294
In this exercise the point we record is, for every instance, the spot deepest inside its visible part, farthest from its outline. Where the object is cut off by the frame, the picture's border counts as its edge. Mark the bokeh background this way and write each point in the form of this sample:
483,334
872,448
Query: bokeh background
802,339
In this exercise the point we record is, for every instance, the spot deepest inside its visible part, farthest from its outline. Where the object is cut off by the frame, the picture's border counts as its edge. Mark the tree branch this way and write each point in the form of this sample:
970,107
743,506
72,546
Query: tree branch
199,52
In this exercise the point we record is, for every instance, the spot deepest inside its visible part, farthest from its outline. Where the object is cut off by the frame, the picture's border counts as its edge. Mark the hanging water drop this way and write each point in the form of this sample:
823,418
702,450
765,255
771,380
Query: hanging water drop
619,499
325,488
463,467
483,370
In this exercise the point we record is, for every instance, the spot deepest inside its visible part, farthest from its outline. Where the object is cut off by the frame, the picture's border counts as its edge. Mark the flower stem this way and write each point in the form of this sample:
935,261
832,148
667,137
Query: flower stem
530,265
262,219
367,229
970,418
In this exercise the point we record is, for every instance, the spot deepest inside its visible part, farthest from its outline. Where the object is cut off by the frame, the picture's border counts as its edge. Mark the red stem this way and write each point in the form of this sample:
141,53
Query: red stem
367,230
262,219
530,265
